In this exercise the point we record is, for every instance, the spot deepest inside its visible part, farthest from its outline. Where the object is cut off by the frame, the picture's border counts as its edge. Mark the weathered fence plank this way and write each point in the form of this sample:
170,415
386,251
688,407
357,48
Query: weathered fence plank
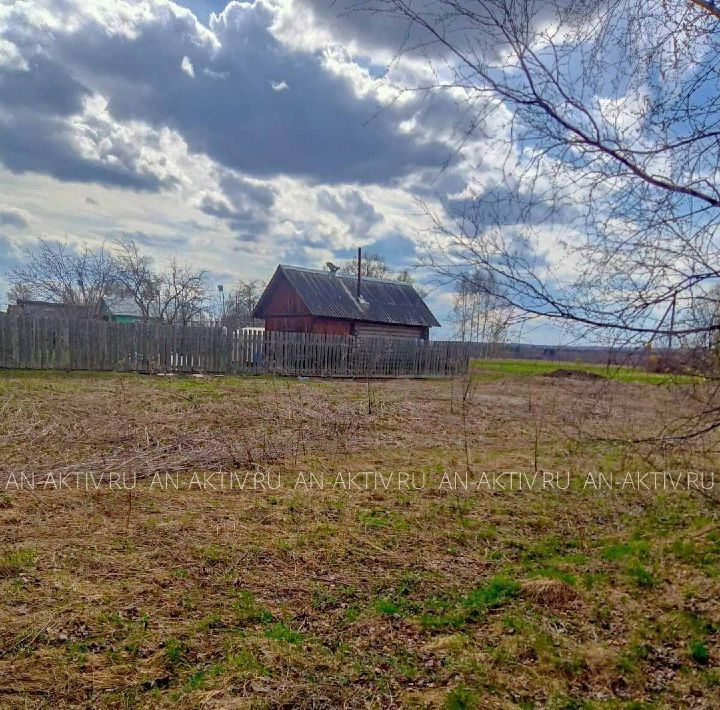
72,344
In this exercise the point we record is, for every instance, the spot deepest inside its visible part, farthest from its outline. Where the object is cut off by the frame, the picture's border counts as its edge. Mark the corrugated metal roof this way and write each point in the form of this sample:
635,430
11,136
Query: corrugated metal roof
118,306
125,306
333,296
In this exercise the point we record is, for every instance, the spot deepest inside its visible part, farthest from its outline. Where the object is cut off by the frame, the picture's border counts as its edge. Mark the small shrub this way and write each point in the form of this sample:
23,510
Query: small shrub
460,698
699,653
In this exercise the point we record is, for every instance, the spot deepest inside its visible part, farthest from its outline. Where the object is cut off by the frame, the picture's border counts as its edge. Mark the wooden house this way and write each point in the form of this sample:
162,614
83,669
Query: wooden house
299,300
47,309
123,309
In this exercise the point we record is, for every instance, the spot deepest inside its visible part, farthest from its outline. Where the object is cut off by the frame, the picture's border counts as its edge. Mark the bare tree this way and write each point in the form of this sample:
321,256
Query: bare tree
372,265
236,309
478,315
183,295
405,276
246,296
137,277
604,118
20,292
599,207
56,272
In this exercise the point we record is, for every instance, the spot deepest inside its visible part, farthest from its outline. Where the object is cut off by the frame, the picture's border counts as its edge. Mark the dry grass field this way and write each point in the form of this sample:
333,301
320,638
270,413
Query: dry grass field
351,549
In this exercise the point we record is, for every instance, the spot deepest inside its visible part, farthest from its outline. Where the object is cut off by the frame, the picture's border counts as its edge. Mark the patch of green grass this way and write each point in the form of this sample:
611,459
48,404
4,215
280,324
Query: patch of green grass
214,554
447,614
245,662
499,369
398,601
281,632
712,678
630,659
495,593
641,576
697,554
14,562
324,597
174,651
196,681
621,550
548,548
699,652
375,518
249,611
387,607
352,613
460,698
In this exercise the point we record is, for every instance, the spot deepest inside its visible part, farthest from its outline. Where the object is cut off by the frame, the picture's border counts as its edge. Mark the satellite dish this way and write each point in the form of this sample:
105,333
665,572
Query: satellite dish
333,269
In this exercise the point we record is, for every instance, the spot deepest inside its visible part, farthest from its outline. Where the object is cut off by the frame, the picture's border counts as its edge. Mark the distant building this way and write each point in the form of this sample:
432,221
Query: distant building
301,300
47,309
123,310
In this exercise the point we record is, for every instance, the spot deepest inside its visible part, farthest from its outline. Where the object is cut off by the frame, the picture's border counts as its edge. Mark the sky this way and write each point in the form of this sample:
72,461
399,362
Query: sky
234,137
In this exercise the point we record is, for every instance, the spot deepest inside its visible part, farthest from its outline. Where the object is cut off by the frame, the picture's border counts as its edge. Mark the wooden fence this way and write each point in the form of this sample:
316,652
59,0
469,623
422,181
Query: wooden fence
28,342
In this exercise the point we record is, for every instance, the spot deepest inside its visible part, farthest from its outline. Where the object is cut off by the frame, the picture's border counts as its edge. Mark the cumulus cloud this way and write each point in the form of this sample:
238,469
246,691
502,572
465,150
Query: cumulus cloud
224,102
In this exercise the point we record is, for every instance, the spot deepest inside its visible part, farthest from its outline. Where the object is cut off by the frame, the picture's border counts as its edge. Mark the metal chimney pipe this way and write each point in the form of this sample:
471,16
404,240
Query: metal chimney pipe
359,267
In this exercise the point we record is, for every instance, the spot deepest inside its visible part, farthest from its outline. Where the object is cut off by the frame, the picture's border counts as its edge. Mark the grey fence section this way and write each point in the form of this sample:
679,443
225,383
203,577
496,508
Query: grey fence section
28,342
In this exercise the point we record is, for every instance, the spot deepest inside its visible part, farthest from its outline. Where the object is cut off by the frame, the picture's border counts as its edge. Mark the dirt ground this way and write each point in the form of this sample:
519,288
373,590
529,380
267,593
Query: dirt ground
259,542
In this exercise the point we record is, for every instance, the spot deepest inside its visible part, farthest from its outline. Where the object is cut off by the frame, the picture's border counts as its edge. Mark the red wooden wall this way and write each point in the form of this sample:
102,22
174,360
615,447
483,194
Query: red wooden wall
285,312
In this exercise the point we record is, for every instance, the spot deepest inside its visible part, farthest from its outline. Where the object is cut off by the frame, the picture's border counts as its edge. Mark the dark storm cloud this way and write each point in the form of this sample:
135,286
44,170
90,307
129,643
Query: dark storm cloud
45,87
317,128
227,106
43,144
244,205
350,207
13,218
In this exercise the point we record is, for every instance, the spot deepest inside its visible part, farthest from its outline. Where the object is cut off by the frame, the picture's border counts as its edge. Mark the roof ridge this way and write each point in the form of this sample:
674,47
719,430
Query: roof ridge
345,276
